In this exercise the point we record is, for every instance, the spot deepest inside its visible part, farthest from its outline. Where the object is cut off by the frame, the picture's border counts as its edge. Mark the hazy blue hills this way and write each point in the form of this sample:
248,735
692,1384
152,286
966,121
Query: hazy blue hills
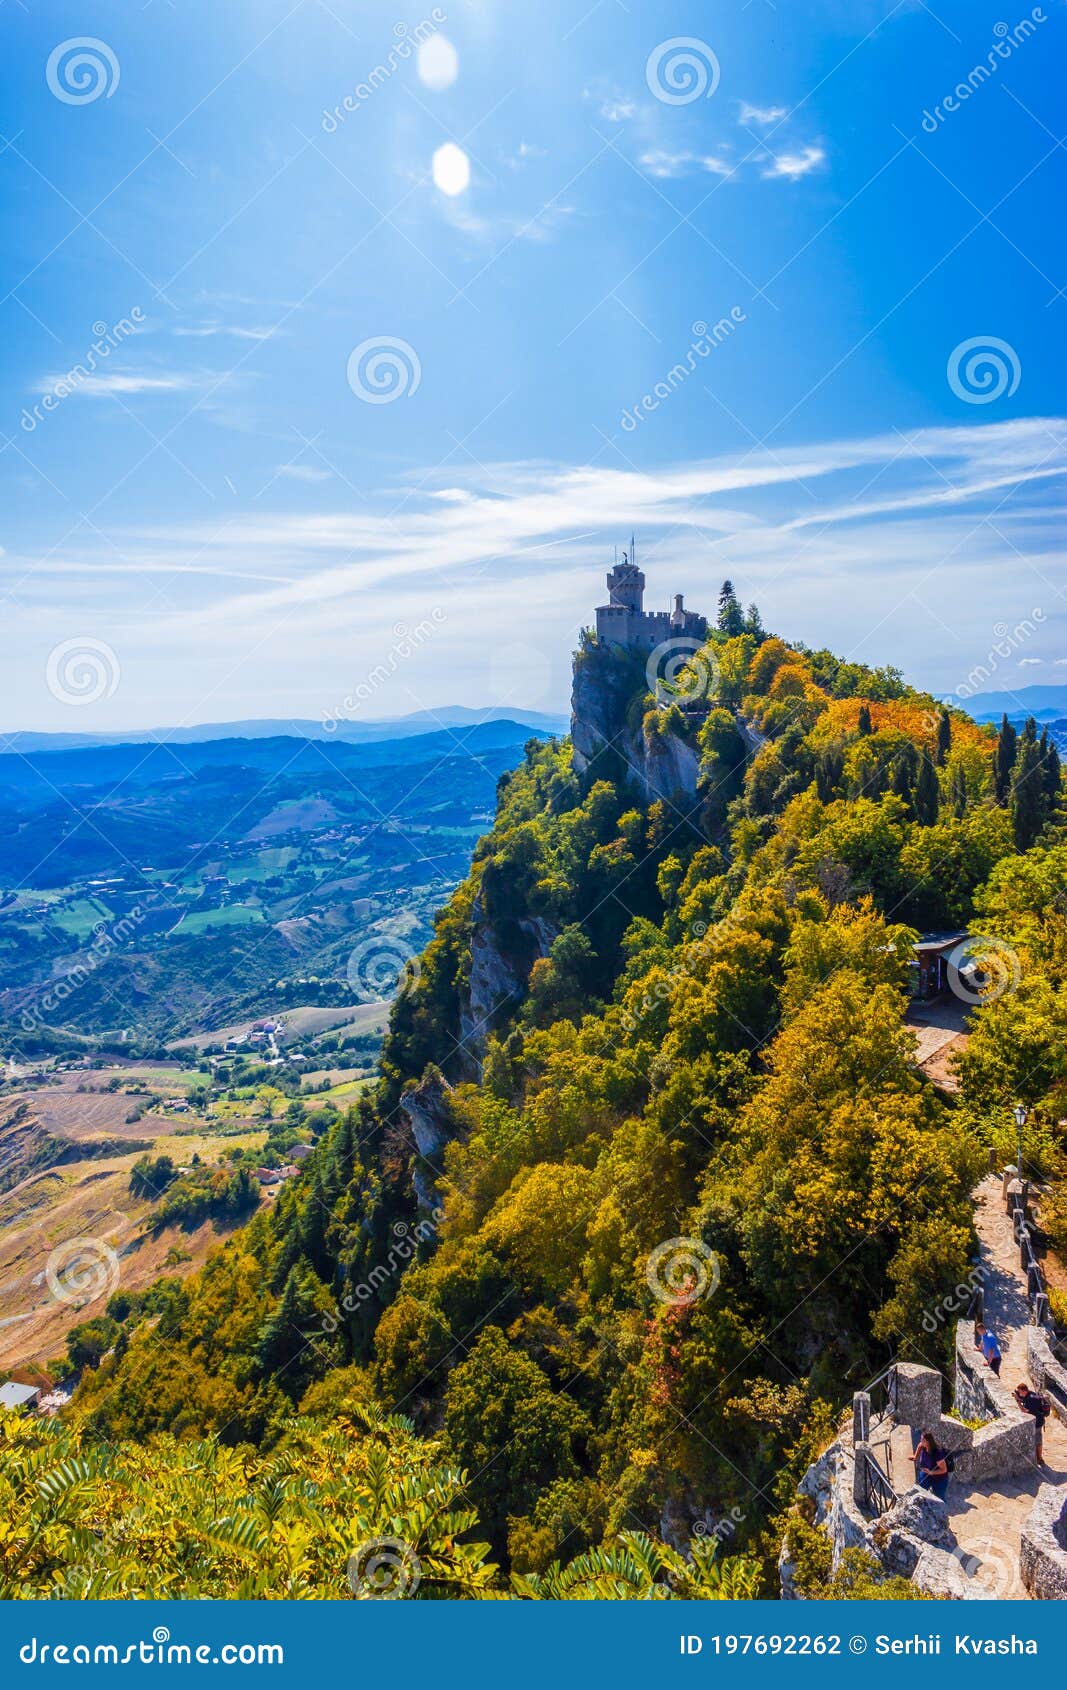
420,722
1045,703
30,778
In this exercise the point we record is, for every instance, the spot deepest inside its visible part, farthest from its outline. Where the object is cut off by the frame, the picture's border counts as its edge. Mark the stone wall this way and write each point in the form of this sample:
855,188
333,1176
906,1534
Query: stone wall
1046,1372
1007,1444
1043,1547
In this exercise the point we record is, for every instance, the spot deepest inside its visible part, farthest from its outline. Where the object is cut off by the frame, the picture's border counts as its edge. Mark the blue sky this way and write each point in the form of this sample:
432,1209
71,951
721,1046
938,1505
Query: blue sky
214,519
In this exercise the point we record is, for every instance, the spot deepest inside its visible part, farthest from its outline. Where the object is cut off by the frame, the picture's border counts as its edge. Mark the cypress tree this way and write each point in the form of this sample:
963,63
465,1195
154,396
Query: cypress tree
1028,800
959,793
927,797
1004,760
944,737
864,724
905,769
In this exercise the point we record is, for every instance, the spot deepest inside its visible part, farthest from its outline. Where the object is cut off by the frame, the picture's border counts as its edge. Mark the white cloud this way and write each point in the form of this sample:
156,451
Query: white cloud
764,116
664,164
616,109
302,472
123,382
911,574
793,165
206,331
1030,662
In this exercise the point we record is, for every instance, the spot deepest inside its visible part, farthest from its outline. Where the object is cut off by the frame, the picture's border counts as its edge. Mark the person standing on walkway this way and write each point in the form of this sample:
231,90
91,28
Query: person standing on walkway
931,1468
989,1344
1037,1404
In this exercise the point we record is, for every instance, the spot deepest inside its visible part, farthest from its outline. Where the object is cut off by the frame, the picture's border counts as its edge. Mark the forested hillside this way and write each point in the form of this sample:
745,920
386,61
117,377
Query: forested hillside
651,1182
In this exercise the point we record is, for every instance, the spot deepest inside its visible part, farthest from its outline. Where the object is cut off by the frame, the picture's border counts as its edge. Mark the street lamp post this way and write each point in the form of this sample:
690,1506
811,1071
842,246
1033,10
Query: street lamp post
1020,1122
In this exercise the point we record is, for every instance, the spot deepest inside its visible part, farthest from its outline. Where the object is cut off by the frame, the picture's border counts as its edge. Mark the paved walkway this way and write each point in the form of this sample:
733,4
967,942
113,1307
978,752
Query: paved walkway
988,1519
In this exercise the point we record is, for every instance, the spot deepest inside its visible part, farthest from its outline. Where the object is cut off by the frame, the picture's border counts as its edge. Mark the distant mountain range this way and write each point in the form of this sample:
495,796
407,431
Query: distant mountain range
1045,704
36,775
421,722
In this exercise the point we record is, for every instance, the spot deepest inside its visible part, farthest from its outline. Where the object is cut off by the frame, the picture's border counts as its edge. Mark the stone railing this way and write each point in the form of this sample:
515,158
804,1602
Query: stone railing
1047,1372
1016,1193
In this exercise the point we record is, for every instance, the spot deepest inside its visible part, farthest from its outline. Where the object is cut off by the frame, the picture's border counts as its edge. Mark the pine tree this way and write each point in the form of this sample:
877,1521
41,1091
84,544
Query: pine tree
731,620
927,796
864,724
754,624
1004,760
944,737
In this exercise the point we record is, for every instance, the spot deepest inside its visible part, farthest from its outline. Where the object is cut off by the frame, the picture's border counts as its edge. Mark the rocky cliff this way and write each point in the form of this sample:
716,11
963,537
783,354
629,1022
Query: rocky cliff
607,731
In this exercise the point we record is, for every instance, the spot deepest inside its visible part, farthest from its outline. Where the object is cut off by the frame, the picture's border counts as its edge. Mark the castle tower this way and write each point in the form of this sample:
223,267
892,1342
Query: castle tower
626,586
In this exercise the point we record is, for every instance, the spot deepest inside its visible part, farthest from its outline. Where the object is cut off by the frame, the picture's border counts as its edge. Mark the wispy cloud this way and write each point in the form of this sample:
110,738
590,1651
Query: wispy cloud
926,531
664,164
793,165
120,382
302,472
207,331
761,116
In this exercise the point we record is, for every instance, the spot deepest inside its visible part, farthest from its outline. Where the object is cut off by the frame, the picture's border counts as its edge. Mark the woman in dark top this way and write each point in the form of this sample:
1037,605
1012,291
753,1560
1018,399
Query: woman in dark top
931,1468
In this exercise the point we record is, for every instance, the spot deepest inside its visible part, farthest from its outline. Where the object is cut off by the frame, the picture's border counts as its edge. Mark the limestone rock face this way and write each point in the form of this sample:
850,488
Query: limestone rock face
601,706
498,975
426,1107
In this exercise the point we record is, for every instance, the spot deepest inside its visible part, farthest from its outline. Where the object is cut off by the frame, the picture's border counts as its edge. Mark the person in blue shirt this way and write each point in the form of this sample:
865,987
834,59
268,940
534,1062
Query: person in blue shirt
987,1342
931,1468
